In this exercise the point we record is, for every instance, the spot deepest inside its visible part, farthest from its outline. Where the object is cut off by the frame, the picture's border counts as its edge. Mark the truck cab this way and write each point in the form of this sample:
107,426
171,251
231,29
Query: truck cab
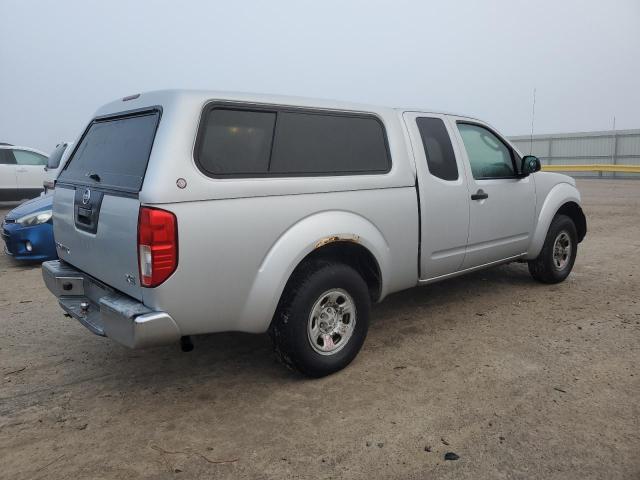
480,202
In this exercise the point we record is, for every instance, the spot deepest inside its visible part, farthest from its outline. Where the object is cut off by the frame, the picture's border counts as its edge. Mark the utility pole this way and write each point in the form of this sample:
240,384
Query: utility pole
614,144
533,116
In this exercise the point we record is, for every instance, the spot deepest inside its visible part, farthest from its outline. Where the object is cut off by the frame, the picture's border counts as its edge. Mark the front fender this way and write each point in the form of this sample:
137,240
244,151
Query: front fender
559,195
293,246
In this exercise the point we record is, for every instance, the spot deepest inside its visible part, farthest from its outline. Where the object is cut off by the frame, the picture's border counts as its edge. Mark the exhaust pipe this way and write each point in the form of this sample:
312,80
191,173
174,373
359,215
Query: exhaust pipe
186,344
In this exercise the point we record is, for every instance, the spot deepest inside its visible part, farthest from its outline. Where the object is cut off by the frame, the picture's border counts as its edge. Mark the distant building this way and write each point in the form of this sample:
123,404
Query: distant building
620,147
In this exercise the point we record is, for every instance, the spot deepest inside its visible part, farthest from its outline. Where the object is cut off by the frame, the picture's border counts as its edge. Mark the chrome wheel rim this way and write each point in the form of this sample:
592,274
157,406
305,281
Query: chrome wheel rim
332,321
561,250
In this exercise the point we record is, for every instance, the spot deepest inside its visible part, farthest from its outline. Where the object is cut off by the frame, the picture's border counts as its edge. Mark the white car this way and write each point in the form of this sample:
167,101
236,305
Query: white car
21,172
55,164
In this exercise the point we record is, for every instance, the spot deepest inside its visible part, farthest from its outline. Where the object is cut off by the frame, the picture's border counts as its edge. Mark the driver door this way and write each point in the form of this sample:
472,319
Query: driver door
502,203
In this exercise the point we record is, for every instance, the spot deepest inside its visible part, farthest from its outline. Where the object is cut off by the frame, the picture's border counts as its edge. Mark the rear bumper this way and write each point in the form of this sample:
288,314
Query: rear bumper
105,311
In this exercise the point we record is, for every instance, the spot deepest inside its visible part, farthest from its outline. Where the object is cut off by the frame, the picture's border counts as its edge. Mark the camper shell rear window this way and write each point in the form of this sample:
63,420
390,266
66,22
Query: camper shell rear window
114,151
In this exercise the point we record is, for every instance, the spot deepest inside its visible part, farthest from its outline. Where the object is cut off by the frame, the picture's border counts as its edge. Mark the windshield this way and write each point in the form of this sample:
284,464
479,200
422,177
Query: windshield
114,152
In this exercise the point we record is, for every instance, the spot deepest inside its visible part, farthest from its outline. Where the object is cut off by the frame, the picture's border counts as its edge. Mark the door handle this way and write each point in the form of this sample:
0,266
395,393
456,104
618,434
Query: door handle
479,195
21,170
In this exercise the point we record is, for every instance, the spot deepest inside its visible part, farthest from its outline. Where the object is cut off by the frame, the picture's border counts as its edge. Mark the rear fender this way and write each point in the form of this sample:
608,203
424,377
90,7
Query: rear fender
293,246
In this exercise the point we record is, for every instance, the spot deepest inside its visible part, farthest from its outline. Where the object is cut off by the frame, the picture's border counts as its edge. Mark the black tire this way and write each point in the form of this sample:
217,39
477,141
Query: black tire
545,268
289,329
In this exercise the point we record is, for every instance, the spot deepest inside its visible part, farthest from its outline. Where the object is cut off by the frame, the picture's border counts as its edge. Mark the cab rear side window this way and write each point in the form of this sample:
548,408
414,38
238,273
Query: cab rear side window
437,148
289,142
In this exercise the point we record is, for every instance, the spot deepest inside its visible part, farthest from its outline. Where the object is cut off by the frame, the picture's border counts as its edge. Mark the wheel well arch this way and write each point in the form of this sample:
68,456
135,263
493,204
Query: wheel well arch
575,213
349,253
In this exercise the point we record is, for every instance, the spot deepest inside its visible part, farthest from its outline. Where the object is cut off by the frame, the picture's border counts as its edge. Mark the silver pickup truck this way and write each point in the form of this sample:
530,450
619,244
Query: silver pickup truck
185,212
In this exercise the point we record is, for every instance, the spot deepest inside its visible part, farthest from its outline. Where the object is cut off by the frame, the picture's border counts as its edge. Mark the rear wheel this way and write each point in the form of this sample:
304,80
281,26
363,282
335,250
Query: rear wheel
322,319
558,254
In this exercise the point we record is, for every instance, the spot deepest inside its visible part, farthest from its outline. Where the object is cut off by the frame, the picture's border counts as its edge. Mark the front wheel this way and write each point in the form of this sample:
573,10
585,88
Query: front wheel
322,319
558,254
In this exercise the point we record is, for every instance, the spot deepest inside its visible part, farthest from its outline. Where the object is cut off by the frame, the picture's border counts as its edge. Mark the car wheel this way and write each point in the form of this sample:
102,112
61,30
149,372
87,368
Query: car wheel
322,319
558,254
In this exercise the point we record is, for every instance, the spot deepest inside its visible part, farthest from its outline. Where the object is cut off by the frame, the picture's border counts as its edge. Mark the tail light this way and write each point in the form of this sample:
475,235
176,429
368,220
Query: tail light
157,245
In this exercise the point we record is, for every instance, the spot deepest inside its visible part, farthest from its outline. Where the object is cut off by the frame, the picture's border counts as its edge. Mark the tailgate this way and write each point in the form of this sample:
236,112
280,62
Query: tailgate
96,205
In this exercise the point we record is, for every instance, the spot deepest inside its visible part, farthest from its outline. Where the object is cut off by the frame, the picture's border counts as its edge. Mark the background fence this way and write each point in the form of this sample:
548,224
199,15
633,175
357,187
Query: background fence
607,148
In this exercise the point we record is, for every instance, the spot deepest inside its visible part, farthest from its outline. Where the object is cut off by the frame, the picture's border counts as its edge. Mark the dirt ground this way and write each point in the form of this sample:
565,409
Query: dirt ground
519,379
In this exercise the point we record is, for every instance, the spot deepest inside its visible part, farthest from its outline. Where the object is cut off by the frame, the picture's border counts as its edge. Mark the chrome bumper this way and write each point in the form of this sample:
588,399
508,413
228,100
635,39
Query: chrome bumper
105,311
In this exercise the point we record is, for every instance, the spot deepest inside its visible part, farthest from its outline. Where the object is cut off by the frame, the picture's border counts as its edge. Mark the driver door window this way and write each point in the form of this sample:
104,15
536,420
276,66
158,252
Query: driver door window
503,203
488,156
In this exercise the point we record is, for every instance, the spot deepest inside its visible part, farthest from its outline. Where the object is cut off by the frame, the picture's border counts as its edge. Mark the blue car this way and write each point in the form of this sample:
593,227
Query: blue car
27,231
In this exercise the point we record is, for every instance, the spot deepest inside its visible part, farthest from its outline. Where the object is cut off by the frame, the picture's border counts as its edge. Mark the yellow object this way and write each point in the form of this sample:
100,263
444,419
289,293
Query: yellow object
598,167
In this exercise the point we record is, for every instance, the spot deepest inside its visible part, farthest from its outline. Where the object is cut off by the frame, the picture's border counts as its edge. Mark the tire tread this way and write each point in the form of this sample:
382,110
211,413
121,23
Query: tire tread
541,268
282,335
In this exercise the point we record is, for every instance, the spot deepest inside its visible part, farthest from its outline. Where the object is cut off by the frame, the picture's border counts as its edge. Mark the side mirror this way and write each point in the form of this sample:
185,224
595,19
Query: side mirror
530,164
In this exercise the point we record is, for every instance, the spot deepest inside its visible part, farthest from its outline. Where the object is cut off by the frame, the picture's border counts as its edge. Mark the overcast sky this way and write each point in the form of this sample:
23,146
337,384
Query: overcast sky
59,61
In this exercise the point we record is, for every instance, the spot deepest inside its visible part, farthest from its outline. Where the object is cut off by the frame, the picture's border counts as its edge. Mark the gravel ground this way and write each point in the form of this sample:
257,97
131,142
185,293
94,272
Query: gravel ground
519,379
